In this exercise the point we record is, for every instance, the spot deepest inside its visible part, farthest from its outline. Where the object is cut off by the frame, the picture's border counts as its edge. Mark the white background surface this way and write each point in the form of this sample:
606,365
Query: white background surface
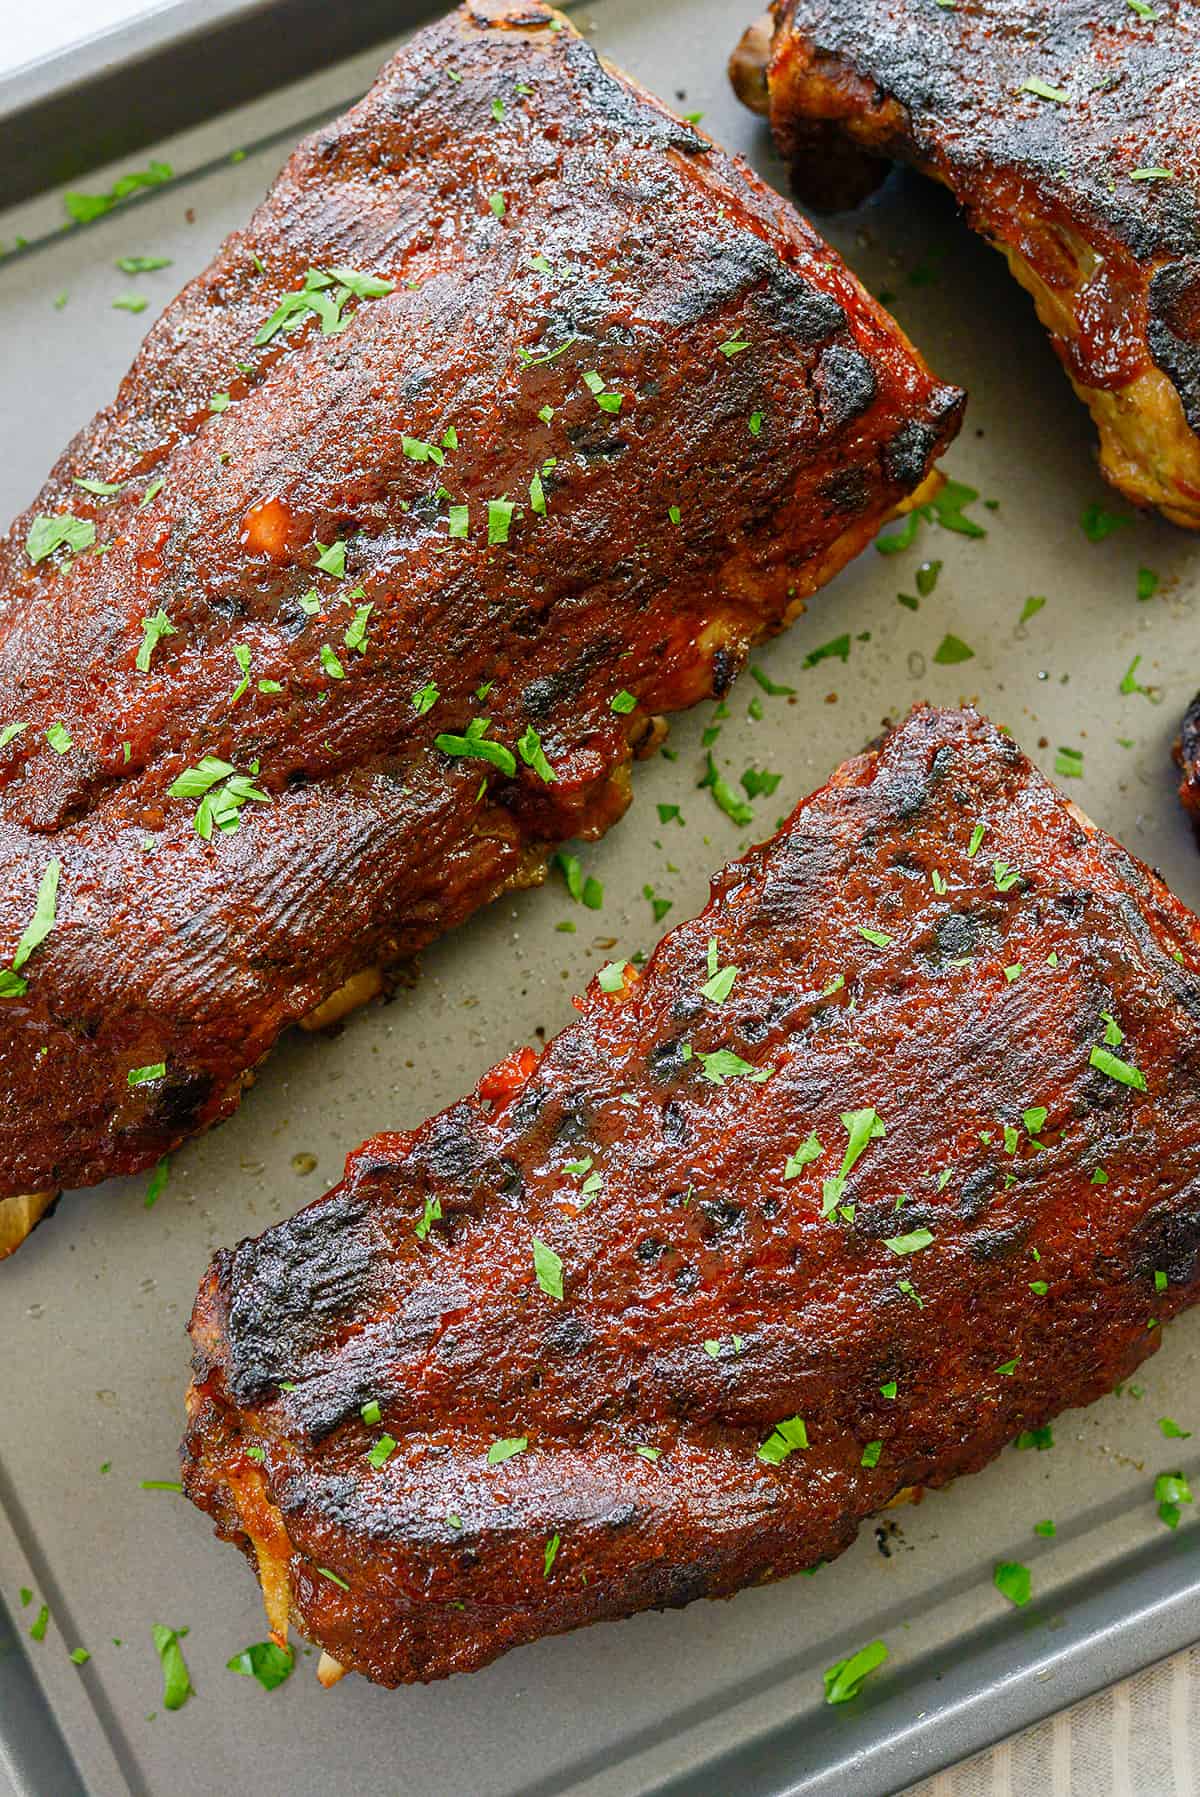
34,31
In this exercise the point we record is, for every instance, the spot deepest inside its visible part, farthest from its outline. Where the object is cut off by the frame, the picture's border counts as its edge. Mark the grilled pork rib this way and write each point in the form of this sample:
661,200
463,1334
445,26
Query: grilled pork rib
1088,182
916,1097
516,414
1187,754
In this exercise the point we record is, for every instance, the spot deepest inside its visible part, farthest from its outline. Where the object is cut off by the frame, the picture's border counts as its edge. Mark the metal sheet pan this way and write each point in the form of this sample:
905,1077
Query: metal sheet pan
721,1697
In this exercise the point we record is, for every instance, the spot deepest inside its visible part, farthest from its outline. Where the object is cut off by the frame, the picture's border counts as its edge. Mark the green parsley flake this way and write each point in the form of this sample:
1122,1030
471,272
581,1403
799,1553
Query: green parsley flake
611,978
724,795
587,892
1043,90
952,650
1045,1528
810,1150
332,559
425,700
157,1184
265,1661
61,531
837,649
154,629
1171,1431
877,938
863,1127
474,746
724,1064
1041,1439
498,204
324,295
871,1453
548,1269
370,1411
1170,1491
500,517
551,1554
333,1578
506,1449
623,703
141,1076
1151,174
844,1679
532,754
1096,523
141,265
719,984
38,1627
909,1244
382,1451
356,630
177,1686
1069,763
889,1390
784,1439
1122,1071
36,930
1012,1580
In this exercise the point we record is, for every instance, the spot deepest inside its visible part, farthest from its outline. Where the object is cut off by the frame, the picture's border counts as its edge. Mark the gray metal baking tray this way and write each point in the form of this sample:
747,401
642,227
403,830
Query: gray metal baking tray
722,1697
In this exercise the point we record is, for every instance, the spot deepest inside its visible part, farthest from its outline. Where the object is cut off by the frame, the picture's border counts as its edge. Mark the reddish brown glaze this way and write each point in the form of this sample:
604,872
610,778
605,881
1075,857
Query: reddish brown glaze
705,1299
1063,181
631,248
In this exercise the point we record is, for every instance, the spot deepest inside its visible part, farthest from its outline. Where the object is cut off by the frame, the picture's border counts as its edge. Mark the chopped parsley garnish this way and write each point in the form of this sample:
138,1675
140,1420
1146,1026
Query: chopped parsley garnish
1096,523
382,1451
1069,763
1042,1439
325,1573
425,700
863,1127
720,980
623,703
838,648
10,732
218,402
1171,1431
417,451
500,517
737,810
266,1661
844,1679
324,293
888,1390
141,1076
548,1268
1012,1580
733,346
62,531
951,650
38,1627
429,1216
537,496
103,489
154,629
909,1244
177,1686
84,207
1170,1491
331,664
1045,1528
608,402
475,746
1030,609
35,932
759,783
459,520
370,1411
157,1183
927,577
785,1438
141,265
1130,683
59,738
356,630
80,1656
1123,1071
1147,583
1004,876
498,204
976,843
871,1453
506,1449
611,978
587,891
724,1064
772,689
1008,1367
550,1554
877,938
332,559
533,755
1151,174
1043,90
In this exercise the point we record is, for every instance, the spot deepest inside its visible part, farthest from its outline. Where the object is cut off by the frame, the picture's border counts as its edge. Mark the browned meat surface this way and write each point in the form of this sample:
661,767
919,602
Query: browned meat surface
896,1144
1088,180
1187,754
404,587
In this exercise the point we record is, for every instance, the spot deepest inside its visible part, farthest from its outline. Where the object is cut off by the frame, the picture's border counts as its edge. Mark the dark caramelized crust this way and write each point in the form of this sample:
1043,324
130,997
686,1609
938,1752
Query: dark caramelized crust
544,224
1187,754
1069,186
936,937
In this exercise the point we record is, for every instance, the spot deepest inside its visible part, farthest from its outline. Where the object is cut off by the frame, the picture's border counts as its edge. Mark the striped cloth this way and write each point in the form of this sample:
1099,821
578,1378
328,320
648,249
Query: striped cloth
1137,1739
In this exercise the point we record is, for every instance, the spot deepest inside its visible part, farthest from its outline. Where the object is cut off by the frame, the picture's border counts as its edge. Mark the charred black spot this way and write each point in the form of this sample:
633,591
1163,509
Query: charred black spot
566,1334
650,1250
956,934
289,1287
631,117
667,1059
725,666
906,457
676,1129
1173,331
849,490
976,1192
448,1147
1167,1239
723,1215
845,383
686,1279
680,1585
1001,1244
178,1101
805,313
686,1006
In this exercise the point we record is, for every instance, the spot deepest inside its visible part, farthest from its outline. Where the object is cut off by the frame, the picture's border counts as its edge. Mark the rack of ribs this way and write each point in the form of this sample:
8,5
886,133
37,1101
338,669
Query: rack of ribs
891,1153
1062,127
517,413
